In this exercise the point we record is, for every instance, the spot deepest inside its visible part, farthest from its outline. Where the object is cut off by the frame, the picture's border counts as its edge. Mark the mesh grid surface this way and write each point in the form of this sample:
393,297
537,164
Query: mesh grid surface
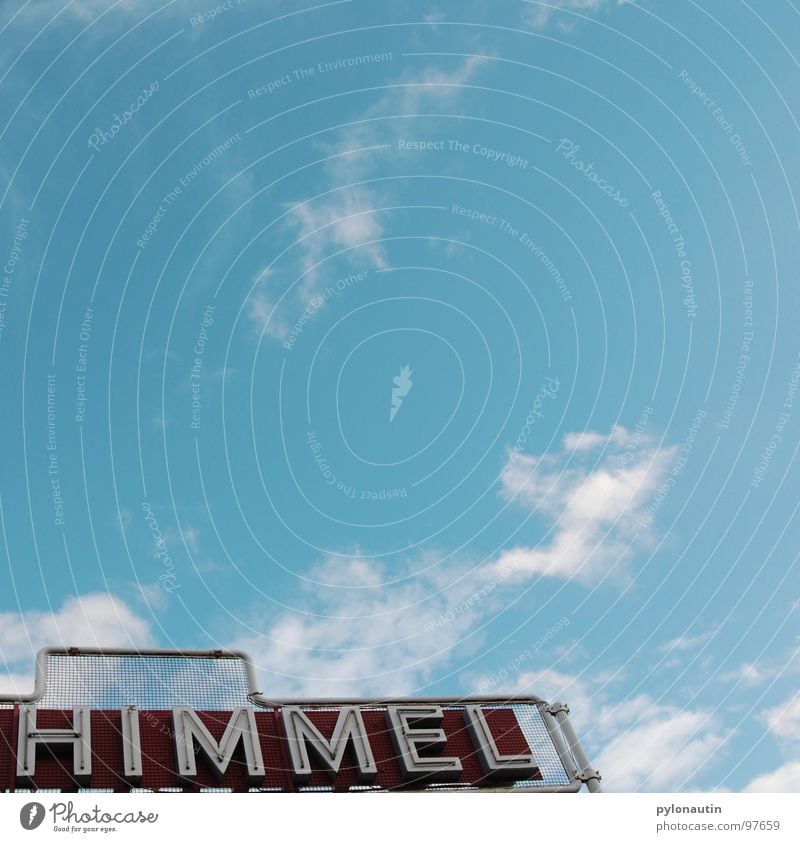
149,682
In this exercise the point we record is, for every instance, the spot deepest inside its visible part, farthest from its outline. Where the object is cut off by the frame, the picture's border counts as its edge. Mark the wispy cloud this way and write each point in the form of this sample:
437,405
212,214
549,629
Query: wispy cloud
96,16
88,10
785,778
191,536
638,744
92,620
756,673
16,684
783,722
784,719
346,216
593,493
338,222
539,15
659,747
684,643
354,633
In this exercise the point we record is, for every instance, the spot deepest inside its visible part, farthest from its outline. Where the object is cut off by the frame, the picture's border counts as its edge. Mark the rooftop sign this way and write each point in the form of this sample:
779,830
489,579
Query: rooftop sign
66,737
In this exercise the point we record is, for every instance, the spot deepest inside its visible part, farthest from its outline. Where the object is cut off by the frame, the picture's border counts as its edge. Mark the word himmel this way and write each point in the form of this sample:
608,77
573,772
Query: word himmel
283,748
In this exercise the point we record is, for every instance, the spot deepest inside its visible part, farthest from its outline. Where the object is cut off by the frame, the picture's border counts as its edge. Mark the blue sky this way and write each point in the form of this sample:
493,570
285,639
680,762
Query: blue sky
415,348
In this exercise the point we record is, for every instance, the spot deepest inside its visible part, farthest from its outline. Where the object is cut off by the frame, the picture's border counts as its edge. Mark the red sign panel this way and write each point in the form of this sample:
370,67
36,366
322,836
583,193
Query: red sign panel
483,746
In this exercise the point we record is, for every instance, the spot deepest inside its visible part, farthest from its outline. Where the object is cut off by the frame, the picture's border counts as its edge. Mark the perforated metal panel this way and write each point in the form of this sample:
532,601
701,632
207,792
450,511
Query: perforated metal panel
530,719
150,682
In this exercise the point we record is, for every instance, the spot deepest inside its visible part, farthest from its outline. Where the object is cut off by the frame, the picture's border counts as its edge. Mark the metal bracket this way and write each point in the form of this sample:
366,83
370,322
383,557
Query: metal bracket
589,775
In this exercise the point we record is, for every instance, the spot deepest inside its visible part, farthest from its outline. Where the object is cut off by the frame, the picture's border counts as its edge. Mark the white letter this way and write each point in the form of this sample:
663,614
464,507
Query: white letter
494,763
241,726
29,736
131,745
301,732
408,739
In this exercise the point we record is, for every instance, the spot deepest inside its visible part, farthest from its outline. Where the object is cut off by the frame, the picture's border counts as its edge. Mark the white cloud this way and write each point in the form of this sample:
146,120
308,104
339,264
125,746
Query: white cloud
661,750
539,14
154,595
191,536
342,221
557,686
345,219
595,508
785,778
124,519
364,636
12,684
784,720
90,9
92,620
435,16
348,218
356,634
587,440
753,674
756,673
85,11
261,306
638,744
684,643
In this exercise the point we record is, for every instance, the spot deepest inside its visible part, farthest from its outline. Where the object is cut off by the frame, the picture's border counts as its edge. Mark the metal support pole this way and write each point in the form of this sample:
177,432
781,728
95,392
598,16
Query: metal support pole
584,771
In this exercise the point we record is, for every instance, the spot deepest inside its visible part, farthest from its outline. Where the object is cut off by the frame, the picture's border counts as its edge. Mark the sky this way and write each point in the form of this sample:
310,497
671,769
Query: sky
415,348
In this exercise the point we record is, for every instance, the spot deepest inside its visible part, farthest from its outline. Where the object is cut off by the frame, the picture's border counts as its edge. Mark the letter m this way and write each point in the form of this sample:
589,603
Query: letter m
189,729
301,733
